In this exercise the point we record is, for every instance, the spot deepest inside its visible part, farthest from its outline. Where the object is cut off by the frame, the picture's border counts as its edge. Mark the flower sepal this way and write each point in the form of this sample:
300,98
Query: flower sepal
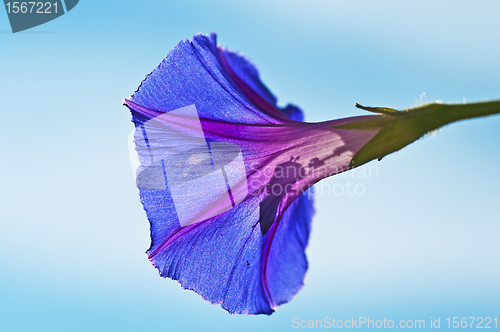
400,128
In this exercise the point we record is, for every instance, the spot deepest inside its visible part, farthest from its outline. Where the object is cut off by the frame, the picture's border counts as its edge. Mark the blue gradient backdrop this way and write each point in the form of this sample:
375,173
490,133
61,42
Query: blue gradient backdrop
423,240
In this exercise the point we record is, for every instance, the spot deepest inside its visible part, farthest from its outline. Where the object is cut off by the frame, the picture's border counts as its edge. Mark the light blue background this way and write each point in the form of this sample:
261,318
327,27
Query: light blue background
422,241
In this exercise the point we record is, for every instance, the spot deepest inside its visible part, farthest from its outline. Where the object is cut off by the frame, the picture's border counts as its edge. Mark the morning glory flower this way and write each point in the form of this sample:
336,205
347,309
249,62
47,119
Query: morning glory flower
224,174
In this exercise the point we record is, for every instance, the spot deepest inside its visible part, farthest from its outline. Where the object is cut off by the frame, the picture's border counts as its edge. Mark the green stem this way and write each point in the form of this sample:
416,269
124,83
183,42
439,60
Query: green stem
400,128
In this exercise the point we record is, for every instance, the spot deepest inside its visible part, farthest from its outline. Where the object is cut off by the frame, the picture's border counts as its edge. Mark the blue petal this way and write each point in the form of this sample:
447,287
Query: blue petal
247,71
225,260
293,112
191,74
219,258
287,261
